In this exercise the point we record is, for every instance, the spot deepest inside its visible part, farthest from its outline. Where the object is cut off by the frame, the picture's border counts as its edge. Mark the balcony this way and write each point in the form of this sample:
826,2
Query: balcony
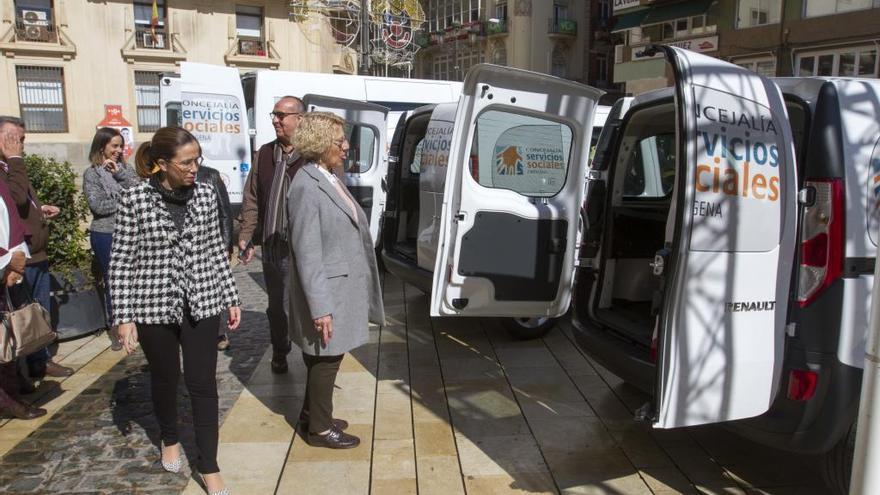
149,45
36,34
252,52
37,31
146,39
561,27
496,28
253,48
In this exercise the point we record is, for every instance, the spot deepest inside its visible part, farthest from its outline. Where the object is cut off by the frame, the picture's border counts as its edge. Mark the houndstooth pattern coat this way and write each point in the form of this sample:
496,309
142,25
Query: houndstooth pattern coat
155,269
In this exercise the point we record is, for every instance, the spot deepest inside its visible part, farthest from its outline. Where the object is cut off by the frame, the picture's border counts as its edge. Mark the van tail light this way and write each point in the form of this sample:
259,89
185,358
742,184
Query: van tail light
821,250
475,168
802,384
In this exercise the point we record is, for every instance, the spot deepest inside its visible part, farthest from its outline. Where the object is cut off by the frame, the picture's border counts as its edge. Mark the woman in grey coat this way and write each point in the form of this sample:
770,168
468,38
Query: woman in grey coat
103,182
334,282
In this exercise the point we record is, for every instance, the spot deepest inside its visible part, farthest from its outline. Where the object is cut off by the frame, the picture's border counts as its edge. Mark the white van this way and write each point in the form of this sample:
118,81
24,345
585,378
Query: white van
728,238
229,114
417,179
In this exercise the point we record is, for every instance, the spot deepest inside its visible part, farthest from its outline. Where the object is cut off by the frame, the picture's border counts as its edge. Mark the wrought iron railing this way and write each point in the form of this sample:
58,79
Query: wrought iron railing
152,39
36,30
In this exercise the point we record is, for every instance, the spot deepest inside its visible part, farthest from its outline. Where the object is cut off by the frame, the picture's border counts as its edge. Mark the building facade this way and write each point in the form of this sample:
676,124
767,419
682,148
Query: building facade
542,36
771,37
64,60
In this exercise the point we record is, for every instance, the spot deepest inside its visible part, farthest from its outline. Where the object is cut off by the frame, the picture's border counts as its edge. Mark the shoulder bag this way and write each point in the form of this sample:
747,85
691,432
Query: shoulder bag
25,330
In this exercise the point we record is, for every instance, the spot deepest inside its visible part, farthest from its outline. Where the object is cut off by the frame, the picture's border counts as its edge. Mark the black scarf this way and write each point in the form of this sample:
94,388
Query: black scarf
175,199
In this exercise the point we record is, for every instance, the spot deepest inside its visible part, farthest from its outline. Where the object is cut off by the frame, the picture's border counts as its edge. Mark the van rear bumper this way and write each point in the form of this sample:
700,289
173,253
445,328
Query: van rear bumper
811,427
629,361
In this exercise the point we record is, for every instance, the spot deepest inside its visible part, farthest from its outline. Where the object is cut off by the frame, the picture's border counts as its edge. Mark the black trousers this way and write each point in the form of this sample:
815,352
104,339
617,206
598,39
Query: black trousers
318,401
275,275
162,345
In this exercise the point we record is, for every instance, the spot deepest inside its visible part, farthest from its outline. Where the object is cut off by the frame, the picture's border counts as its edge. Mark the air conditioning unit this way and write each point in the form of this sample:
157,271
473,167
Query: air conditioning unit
36,33
34,18
157,42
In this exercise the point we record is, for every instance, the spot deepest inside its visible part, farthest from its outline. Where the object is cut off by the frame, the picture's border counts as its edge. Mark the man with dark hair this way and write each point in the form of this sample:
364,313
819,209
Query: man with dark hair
262,218
34,214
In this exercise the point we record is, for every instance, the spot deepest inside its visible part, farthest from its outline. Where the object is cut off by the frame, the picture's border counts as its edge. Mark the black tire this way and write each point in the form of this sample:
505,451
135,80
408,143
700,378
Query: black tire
837,463
527,328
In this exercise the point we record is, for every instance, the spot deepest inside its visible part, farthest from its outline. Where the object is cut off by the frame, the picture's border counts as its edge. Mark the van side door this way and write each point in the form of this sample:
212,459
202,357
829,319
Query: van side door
514,185
367,163
722,323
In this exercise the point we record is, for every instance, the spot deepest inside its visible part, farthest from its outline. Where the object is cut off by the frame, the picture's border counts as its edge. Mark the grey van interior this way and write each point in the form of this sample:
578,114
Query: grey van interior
642,177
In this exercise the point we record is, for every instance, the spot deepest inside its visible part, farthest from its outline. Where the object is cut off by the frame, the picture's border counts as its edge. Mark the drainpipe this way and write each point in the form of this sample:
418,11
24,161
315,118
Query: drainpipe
866,457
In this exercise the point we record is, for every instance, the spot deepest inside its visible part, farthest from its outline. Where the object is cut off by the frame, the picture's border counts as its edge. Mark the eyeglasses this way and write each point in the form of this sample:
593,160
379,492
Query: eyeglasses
188,164
281,115
338,142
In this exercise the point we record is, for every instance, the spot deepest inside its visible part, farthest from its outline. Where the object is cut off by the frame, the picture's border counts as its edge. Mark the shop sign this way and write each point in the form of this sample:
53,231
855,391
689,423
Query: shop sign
624,4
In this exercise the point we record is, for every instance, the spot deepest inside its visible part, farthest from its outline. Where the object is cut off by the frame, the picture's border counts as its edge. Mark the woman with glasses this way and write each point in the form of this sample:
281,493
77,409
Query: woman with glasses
170,281
334,283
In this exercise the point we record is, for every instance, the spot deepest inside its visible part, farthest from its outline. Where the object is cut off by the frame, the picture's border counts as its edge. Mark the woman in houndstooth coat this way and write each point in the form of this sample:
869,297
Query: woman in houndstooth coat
170,280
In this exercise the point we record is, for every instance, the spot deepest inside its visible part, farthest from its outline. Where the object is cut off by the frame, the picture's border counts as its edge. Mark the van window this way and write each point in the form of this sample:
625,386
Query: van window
528,155
650,170
362,146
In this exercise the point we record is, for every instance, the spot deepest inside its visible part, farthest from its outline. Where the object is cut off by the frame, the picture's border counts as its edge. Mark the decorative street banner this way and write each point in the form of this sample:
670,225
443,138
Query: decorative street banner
113,118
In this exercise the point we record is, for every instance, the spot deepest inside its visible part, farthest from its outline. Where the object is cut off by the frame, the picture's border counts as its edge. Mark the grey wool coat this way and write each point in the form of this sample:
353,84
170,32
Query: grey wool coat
333,266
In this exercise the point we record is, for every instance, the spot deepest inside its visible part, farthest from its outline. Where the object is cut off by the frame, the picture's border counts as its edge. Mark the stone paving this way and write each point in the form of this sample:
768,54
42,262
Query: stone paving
443,406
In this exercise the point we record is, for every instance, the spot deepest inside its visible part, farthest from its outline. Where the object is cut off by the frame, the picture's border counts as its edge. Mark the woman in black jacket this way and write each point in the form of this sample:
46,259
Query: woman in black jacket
170,281
211,176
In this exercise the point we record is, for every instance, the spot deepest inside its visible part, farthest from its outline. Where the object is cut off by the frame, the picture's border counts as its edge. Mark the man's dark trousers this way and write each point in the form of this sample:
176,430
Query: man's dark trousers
275,273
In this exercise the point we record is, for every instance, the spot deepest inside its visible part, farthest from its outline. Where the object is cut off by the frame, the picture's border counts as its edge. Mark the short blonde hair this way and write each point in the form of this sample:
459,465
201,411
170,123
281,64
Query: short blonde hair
314,135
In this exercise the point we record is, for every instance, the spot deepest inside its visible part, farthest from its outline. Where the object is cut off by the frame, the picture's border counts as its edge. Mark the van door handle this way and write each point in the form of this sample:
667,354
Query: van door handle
658,264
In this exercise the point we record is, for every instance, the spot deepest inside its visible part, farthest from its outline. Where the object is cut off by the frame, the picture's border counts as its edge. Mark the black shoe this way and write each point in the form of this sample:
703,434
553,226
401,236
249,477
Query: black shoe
279,365
21,411
339,424
334,440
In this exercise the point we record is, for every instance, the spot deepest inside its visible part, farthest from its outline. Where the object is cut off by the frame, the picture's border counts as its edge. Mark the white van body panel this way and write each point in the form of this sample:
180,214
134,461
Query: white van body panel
493,97
214,110
859,106
367,124
722,325
860,116
387,91
433,158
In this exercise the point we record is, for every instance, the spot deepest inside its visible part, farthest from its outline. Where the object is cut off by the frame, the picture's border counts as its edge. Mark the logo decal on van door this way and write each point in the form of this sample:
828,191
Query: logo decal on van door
737,181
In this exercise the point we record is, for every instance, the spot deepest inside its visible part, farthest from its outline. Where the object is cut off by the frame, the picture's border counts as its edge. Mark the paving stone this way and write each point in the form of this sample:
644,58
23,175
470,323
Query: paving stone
109,432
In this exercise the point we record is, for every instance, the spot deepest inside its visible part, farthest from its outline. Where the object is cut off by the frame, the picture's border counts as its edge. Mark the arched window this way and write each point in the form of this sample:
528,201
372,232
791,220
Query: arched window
558,64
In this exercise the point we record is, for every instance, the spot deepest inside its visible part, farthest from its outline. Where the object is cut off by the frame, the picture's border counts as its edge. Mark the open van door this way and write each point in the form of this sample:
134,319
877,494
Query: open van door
367,162
728,277
517,164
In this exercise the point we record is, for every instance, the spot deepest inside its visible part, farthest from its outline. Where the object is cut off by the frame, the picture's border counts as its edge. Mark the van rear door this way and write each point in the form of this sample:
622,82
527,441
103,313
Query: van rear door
515,181
213,110
367,162
722,321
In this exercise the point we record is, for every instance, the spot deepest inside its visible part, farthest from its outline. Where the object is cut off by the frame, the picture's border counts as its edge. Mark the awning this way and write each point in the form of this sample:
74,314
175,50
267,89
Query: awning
678,10
629,20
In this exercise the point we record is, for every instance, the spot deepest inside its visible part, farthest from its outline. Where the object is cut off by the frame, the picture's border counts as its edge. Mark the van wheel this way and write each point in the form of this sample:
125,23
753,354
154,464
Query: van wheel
837,463
528,328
